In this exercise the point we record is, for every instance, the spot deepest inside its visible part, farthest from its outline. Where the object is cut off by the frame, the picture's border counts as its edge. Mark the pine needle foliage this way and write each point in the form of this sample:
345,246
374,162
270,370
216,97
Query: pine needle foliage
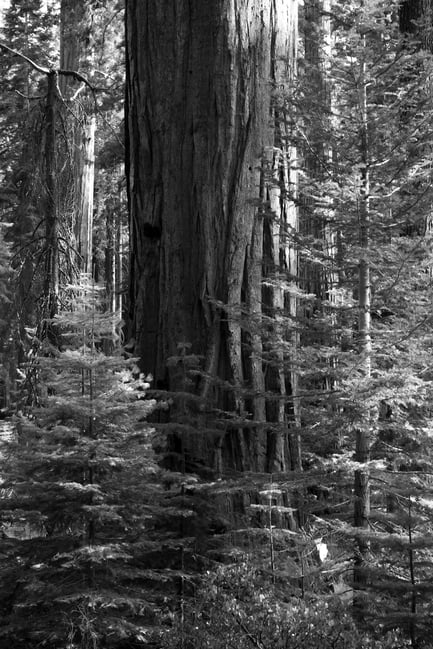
373,122
77,483
237,609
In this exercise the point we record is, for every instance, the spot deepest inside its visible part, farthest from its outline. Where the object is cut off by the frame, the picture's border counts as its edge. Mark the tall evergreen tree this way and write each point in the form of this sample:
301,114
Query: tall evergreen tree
374,193
29,29
74,494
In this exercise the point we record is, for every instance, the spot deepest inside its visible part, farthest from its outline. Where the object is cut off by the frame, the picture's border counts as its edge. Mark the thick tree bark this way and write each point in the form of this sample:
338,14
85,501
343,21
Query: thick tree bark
72,39
199,119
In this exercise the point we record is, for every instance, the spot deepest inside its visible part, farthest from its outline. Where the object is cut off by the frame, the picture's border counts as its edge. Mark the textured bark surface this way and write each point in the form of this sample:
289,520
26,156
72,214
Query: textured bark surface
76,52
72,39
85,184
416,17
199,119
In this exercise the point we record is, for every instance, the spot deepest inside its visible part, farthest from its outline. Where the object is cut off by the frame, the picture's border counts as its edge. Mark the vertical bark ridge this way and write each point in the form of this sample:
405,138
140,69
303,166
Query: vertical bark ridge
199,119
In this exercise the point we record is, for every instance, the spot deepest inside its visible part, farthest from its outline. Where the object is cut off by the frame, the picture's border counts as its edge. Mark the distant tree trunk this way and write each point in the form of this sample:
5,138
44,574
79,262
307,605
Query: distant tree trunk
315,217
85,183
110,260
362,450
114,254
199,119
75,54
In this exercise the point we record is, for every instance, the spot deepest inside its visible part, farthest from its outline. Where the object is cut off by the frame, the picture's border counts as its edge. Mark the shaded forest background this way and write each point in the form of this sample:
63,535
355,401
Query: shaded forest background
215,324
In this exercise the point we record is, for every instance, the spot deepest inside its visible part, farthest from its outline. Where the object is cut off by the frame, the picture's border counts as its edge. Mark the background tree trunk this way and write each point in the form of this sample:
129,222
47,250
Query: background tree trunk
76,53
51,281
199,118
363,432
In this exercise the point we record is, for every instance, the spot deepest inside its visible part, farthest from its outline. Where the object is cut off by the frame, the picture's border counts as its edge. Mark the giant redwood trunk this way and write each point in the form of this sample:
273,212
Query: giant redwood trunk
200,124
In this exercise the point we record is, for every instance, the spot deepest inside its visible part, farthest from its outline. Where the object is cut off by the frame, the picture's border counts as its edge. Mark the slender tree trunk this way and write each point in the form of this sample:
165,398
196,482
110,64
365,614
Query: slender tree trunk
281,251
114,257
85,194
110,260
317,158
51,284
199,118
413,604
362,451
